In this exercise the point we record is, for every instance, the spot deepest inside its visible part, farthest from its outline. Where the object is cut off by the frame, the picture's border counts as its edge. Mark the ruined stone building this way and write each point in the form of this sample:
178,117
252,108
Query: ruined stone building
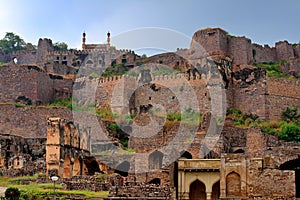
187,160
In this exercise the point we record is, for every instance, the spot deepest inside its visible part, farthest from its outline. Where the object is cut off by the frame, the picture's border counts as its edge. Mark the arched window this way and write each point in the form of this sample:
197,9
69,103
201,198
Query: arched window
67,166
233,184
155,160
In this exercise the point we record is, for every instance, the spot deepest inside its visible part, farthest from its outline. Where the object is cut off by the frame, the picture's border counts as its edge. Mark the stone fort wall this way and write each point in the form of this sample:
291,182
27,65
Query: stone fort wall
29,122
218,42
282,93
33,83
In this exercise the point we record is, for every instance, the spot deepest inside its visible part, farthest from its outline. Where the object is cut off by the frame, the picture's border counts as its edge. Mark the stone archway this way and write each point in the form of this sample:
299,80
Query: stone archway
293,165
233,184
123,169
197,191
215,191
67,168
155,160
186,154
155,181
76,167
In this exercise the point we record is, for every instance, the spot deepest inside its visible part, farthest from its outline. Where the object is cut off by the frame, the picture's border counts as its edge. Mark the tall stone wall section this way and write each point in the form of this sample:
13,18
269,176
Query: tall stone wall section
29,122
282,93
213,40
284,50
24,81
25,57
216,42
33,83
240,50
249,92
263,53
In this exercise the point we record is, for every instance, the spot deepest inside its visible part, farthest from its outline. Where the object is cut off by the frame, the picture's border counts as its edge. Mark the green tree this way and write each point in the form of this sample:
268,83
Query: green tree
290,132
12,42
60,46
30,47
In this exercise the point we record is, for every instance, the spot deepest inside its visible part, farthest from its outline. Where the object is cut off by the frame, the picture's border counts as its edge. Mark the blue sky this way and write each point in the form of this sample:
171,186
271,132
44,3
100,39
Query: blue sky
263,21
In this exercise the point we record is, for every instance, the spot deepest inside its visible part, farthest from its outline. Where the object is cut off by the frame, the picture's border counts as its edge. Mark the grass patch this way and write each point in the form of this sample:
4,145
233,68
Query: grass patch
273,69
43,191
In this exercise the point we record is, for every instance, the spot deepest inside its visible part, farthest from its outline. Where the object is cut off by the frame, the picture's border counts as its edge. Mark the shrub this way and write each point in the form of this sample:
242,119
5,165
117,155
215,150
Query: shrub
174,116
291,115
20,105
94,75
12,193
290,132
113,127
64,102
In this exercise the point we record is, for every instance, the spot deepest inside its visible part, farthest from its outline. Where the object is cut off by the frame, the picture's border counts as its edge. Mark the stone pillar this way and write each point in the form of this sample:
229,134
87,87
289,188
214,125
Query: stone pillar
208,195
222,178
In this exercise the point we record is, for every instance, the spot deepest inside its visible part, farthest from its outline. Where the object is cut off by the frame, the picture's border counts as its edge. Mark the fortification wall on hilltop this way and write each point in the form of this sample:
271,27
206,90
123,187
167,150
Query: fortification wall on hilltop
263,53
249,92
177,60
293,67
213,40
29,122
24,57
217,42
240,50
297,51
22,81
166,84
282,93
284,50
33,83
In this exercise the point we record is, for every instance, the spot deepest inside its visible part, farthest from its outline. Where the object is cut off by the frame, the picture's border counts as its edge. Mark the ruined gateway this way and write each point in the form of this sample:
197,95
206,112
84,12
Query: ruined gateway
235,163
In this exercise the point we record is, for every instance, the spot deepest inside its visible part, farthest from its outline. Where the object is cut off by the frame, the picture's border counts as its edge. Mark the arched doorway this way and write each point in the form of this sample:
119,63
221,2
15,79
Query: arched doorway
186,154
155,181
155,160
91,165
76,167
67,168
293,165
197,191
215,191
123,169
233,184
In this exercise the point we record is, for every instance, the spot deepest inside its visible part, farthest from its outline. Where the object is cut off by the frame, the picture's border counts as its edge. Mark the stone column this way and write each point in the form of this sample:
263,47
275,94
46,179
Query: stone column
208,195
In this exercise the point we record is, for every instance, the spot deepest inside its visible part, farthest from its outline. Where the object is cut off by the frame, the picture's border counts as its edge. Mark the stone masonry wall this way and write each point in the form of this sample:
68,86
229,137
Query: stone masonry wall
284,50
19,81
249,92
261,182
213,40
33,83
282,93
29,122
240,50
263,53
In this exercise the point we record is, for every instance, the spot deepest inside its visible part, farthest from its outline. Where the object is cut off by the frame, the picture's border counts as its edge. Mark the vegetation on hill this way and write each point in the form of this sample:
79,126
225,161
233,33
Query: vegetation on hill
12,42
273,69
60,46
287,128
35,191
115,70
